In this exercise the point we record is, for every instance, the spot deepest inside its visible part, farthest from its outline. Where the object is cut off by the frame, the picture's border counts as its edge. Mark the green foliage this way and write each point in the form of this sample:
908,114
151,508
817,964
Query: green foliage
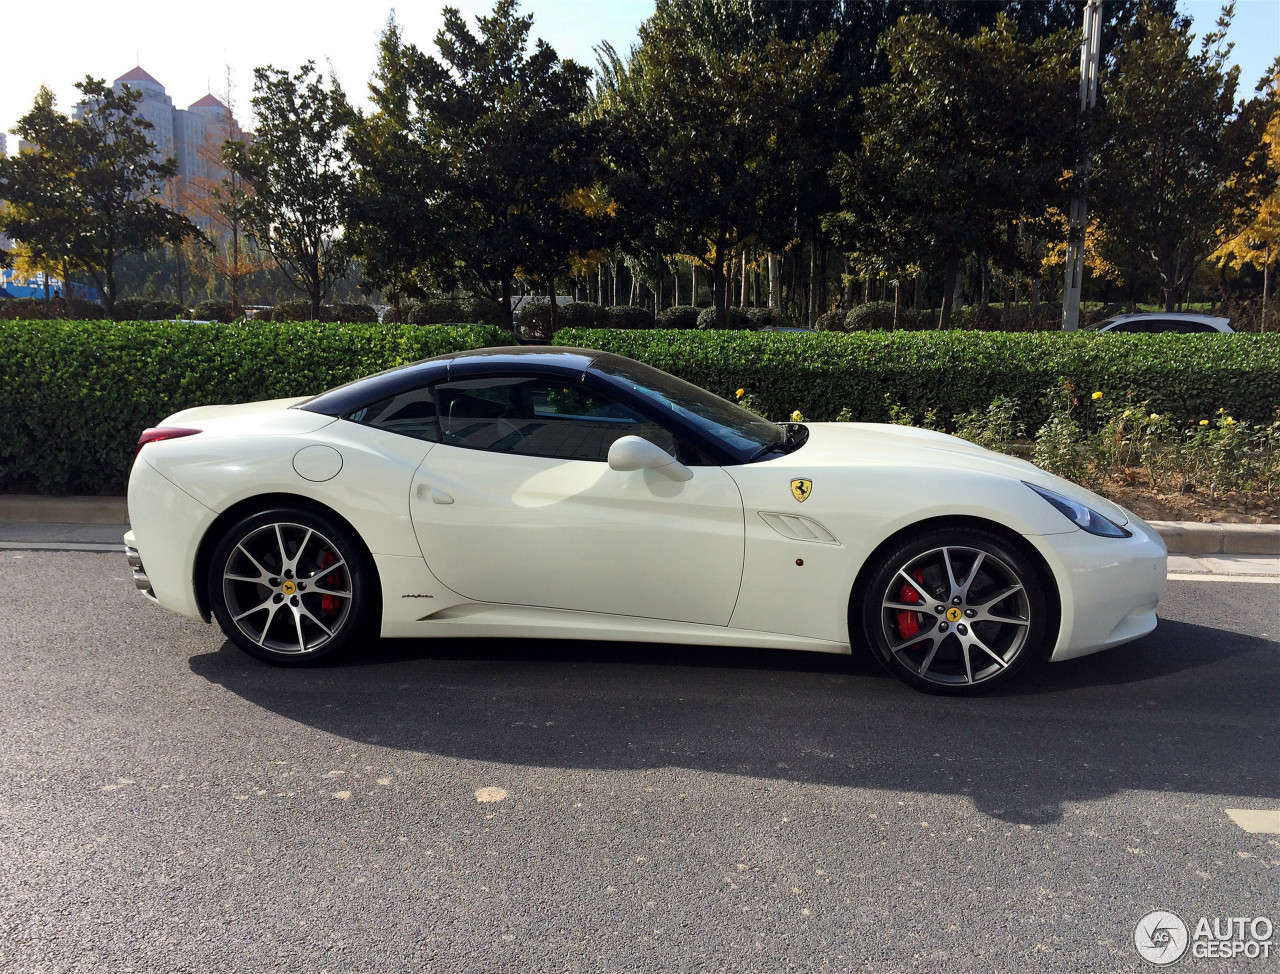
872,316
146,309
87,192
477,162
969,137
38,309
75,395
214,311
581,314
446,311
699,162
1179,162
833,320
734,319
682,318
628,317
301,311
300,174
955,372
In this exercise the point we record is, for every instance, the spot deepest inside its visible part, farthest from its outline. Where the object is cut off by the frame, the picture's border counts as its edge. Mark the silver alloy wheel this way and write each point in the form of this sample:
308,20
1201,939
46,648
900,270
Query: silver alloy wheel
955,615
287,588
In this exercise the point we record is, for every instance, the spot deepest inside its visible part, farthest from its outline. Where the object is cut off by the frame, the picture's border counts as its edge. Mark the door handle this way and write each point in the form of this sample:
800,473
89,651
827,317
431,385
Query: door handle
438,496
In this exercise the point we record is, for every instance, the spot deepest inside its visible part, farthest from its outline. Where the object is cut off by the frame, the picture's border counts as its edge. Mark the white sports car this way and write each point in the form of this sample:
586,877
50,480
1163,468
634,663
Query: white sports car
568,493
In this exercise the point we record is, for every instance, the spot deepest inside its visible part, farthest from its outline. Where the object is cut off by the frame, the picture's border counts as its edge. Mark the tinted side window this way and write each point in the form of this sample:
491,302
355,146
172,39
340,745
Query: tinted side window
539,417
411,413
1140,327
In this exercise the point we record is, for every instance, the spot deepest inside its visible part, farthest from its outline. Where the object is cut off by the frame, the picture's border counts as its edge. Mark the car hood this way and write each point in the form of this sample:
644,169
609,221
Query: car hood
840,444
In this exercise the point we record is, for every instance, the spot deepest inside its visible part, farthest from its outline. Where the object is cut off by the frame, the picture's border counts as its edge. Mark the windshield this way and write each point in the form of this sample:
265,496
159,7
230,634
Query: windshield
742,432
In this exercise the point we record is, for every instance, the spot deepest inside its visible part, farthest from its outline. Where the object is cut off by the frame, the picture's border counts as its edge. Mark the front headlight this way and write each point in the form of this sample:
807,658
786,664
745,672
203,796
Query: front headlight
1085,518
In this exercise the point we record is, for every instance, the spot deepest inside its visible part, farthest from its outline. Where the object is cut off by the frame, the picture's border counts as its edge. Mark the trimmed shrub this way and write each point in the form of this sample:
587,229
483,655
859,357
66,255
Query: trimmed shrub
683,318
831,320
738,320
627,316
873,316
26,309
357,313
213,311
1187,377
75,395
580,314
448,311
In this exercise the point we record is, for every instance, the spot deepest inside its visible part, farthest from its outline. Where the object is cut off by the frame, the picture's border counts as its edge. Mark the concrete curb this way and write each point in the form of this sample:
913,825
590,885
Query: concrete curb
63,510
1182,537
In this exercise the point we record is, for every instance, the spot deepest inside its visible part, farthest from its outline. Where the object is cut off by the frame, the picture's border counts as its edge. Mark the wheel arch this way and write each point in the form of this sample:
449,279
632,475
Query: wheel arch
254,505
953,522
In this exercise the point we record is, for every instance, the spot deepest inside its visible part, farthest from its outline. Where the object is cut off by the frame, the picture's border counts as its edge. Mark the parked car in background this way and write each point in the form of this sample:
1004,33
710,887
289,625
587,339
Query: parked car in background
1148,323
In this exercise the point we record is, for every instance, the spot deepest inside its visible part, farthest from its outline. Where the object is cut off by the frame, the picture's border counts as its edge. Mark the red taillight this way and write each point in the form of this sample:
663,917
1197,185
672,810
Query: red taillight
156,433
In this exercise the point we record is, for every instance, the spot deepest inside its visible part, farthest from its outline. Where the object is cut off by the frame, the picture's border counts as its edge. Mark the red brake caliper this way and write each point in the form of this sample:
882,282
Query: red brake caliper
908,622
329,603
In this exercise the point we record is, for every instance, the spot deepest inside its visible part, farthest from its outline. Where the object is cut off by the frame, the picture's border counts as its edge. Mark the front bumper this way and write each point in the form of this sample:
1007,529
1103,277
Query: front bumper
1109,587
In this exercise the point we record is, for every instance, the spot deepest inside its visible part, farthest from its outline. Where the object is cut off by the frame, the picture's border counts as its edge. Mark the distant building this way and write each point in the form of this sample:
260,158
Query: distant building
193,136
4,146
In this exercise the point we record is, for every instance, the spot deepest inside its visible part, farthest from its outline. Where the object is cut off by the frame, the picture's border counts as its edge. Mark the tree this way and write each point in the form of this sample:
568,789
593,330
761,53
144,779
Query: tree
968,138
299,172
473,165
87,194
707,140
1255,238
1179,160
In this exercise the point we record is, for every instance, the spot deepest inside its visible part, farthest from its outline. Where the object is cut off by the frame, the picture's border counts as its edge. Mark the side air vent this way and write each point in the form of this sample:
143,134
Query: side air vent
799,528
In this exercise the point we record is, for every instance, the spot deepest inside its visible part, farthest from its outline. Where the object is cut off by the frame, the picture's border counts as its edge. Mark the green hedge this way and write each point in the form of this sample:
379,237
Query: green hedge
75,395
1186,376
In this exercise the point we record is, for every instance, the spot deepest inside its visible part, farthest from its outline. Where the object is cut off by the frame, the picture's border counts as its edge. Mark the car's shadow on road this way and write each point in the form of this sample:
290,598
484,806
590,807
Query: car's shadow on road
1188,709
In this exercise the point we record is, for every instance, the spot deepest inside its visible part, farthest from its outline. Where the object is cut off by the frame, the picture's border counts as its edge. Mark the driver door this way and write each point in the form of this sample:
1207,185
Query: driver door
517,504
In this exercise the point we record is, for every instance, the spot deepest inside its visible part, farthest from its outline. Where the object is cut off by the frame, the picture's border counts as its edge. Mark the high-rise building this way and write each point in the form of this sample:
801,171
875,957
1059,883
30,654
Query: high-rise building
193,136
4,146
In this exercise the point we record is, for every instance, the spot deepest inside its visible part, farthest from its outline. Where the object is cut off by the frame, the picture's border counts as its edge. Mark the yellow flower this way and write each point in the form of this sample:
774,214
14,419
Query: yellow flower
797,416
1155,416
741,393
1127,412
1204,422
1229,421
1097,395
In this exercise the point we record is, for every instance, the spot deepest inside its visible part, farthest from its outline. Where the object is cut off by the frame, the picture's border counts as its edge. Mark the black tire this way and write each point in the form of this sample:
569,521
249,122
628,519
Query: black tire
958,630
293,587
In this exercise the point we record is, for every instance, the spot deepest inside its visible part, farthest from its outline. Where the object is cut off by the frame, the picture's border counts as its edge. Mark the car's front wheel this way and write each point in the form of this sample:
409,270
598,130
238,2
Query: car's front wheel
956,612
291,586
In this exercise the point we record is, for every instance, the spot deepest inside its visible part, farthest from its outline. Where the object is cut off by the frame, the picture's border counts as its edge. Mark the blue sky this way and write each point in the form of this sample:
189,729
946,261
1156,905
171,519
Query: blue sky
188,46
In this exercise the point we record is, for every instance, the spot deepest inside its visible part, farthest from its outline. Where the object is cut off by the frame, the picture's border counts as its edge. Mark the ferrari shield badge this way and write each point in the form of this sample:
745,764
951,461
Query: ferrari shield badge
800,489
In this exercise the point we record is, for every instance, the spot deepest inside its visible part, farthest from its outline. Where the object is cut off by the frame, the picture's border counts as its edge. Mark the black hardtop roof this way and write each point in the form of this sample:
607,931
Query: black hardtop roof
380,385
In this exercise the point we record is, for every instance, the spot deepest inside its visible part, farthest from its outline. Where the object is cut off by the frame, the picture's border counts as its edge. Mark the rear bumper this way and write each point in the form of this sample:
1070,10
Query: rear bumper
167,525
1109,587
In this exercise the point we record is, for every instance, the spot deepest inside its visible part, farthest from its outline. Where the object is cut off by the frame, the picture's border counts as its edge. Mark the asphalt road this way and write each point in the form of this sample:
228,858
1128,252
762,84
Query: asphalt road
168,804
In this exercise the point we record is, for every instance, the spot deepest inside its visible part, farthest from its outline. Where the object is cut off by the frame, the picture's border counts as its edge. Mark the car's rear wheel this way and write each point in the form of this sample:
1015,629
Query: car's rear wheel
956,612
292,587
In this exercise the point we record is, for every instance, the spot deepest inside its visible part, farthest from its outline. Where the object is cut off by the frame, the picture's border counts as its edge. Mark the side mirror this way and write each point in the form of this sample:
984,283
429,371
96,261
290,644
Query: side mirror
637,453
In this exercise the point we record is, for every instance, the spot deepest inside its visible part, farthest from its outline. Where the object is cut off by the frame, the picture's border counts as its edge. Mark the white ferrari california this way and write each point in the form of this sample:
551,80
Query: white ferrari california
568,493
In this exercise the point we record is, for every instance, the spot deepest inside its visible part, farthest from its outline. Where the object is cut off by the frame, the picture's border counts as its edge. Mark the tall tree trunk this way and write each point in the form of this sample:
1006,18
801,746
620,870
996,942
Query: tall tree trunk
551,295
505,305
693,283
675,283
719,285
613,293
950,275
775,283
742,301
